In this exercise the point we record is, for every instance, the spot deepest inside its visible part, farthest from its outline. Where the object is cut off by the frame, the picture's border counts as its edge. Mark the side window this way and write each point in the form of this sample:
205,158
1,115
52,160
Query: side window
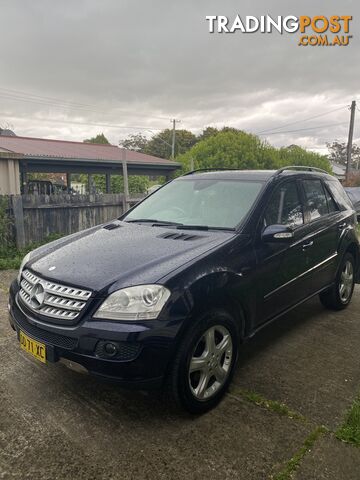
330,201
285,207
339,194
315,198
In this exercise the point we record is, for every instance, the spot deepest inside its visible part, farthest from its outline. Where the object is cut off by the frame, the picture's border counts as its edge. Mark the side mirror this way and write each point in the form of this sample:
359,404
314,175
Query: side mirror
277,234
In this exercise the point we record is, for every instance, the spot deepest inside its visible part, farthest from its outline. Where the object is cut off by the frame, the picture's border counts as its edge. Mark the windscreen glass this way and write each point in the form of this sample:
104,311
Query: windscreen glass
212,203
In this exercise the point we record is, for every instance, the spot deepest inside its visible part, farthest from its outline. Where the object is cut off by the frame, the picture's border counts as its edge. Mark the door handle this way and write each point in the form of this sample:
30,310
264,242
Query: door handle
307,245
342,226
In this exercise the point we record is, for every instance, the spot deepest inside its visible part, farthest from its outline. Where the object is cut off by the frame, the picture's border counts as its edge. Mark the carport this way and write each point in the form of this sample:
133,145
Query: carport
58,156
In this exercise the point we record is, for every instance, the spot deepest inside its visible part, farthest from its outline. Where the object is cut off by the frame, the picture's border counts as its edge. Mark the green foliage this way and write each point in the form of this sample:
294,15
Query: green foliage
207,132
5,224
294,462
11,257
100,138
350,430
137,183
273,405
236,149
160,144
295,155
137,143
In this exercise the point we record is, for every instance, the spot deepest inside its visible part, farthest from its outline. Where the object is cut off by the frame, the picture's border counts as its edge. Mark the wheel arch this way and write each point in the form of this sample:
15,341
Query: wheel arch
217,290
353,248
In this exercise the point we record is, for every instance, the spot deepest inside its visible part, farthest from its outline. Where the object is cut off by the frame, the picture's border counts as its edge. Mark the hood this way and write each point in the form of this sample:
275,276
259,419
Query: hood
129,254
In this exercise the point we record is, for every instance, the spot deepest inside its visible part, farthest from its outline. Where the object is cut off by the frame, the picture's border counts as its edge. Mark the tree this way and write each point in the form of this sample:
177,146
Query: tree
232,148
295,155
207,132
136,142
137,183
100,138
338,153
160,144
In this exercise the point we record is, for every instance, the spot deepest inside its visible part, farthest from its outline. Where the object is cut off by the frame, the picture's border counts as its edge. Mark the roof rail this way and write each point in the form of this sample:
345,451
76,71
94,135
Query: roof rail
301,167
198,170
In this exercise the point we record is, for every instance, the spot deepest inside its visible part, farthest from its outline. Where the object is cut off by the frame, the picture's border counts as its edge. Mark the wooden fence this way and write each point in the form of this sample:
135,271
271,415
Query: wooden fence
35,217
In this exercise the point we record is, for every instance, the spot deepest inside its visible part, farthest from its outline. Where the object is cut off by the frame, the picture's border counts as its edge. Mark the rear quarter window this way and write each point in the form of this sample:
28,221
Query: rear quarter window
339,195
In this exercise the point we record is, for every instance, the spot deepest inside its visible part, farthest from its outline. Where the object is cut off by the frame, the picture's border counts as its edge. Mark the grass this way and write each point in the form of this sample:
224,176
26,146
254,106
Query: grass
295,461
350,430
272,405
11,257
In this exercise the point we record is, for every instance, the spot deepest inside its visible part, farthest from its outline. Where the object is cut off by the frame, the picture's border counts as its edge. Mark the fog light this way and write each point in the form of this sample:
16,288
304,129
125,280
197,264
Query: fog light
110,349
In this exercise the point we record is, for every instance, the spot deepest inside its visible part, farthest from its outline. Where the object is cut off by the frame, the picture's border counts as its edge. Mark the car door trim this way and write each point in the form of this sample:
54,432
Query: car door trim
301,275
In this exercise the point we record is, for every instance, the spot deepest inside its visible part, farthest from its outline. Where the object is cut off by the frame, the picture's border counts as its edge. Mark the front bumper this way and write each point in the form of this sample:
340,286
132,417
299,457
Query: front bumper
145,349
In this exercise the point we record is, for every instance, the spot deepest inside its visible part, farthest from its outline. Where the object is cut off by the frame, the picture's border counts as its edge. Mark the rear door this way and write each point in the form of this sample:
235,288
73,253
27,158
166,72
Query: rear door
323,224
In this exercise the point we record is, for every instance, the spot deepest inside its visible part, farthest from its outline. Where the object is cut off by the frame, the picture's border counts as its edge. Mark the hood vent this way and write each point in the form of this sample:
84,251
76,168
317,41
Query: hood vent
111,226
185,237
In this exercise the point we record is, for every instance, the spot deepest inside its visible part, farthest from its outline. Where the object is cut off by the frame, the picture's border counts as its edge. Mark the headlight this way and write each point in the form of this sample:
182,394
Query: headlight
23,263
143,302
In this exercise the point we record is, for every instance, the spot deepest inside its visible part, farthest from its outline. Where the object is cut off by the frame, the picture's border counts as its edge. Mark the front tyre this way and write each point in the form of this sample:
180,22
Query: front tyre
205,362
339,295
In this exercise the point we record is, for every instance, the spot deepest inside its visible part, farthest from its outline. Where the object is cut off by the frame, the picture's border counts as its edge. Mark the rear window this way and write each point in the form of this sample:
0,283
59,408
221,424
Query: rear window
330,201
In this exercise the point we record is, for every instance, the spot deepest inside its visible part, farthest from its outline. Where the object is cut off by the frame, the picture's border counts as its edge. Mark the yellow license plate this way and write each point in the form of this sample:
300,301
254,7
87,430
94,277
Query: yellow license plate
36,349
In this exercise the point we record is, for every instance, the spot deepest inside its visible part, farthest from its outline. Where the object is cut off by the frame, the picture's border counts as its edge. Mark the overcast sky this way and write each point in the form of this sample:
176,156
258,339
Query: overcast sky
109,64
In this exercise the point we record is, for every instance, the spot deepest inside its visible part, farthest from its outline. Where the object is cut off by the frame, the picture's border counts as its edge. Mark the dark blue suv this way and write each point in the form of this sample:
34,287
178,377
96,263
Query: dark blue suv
166,294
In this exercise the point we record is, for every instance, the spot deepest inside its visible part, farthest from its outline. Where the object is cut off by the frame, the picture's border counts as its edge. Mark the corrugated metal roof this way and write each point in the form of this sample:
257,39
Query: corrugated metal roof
41,147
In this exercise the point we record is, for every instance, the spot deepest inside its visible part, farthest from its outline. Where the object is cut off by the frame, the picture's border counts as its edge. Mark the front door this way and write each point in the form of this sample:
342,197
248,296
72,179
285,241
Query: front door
281,266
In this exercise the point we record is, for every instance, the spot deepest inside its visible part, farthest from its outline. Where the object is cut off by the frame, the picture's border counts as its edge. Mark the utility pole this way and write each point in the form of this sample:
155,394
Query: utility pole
173,121
350,139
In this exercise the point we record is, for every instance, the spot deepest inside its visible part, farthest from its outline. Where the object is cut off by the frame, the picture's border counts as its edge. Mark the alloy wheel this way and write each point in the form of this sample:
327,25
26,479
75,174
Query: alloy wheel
346,281
210,362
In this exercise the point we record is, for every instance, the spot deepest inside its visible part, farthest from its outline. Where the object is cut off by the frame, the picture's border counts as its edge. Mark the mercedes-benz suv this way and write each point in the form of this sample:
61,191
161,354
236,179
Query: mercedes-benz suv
166,294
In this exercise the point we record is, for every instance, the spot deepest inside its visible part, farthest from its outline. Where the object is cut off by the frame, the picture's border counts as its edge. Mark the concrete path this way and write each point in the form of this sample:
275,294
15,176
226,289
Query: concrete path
300,373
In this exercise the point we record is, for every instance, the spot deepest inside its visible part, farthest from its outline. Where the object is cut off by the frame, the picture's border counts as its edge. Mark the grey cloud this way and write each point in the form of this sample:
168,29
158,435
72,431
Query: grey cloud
139,60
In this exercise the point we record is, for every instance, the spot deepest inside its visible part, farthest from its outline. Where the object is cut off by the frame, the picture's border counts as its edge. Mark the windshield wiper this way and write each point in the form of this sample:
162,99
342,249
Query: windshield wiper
179,226
156,223
203,227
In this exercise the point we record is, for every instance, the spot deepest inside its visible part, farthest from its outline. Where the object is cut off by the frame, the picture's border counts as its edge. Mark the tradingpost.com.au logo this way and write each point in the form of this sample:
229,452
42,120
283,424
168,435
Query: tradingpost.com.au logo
314,31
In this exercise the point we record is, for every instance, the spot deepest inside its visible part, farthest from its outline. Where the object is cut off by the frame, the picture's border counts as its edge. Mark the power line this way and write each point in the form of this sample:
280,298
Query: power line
108,125
303,129
20,96
11,91
301,121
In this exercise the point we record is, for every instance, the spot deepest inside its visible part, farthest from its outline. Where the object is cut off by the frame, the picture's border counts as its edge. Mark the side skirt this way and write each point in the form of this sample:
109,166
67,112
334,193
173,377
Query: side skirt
271,320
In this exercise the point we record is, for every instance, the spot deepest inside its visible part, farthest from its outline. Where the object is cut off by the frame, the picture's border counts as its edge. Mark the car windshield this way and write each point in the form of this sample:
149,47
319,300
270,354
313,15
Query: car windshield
214,203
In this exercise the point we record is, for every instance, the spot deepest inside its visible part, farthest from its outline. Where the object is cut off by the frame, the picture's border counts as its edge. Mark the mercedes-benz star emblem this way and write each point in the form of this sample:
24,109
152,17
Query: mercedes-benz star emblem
37,295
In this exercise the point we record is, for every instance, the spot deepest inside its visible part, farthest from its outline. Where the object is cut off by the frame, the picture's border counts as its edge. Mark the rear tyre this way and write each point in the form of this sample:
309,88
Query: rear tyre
205,362
339,295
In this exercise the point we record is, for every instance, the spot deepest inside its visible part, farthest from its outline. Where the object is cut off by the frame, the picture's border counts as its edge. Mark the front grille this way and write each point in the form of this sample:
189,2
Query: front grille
52,299
55,339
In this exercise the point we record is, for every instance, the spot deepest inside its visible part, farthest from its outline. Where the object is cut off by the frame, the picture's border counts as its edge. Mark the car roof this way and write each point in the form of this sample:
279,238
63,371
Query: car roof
252,175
